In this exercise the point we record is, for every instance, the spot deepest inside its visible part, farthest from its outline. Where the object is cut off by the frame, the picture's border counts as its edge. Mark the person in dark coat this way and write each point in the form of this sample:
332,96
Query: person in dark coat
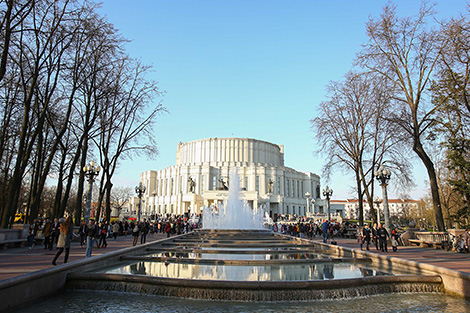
145,231
375,236
92,231
55,233
383,236
366,236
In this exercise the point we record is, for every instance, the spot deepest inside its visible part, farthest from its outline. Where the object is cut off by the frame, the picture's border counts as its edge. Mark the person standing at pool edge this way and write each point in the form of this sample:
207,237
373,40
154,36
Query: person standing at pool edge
91,234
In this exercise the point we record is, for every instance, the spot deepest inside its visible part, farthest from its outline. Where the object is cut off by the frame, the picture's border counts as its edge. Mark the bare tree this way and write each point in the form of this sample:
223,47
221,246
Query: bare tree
120,196
35,52
13,13
404,52
126,121
354,136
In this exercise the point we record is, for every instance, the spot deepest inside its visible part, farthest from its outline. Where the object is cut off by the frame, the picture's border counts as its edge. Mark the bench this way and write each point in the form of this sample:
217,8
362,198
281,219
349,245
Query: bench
12,243
431,239
351,234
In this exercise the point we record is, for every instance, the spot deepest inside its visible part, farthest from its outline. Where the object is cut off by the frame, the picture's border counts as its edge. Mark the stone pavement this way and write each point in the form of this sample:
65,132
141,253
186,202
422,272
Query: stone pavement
19,261
443,258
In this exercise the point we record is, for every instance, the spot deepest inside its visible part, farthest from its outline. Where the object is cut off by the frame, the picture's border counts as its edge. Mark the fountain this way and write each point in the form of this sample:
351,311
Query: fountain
235,258
236,214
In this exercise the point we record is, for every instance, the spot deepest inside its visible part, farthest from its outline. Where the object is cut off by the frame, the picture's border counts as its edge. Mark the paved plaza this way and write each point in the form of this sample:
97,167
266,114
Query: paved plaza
19,261
447,259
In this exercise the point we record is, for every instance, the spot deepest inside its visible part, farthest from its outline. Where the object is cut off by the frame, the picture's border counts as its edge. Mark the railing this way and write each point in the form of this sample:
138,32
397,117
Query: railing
432,239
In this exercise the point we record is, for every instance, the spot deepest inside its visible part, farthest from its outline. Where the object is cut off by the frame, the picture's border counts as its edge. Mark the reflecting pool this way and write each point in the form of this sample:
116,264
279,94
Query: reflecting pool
307,272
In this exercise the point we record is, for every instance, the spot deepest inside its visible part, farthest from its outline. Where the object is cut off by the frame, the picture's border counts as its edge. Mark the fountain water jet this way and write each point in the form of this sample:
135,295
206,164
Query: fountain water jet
236,214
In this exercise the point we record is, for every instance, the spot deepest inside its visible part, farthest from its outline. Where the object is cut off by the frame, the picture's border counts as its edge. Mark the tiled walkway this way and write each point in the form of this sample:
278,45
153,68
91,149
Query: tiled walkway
443,258
18,261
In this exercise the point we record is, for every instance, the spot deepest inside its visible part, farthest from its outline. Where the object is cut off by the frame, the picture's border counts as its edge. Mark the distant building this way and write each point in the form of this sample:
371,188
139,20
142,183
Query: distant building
397,207
201,173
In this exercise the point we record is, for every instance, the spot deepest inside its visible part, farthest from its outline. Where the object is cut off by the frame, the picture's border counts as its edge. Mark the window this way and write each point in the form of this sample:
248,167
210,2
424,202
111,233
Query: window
214,182
257,183
278,185
203,185
246,183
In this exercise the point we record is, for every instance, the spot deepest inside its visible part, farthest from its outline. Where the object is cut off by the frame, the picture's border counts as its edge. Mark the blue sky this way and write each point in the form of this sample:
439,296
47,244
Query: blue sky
255,69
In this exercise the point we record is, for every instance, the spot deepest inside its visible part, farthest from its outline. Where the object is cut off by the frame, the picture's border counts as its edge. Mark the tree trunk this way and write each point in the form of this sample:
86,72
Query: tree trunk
436,200
360,199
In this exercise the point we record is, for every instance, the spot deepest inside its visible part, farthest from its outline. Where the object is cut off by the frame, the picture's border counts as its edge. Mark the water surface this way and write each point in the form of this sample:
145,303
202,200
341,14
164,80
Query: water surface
105,301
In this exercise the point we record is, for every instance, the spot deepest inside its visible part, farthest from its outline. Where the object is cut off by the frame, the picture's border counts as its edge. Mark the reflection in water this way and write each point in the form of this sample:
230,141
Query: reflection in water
299,272
328,271
237,256
138,268
366,272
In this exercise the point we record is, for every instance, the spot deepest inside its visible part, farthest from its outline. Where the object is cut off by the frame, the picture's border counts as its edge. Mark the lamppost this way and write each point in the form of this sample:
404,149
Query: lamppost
91,171
140,190
154,193
307,196
382,174
327,192
377,202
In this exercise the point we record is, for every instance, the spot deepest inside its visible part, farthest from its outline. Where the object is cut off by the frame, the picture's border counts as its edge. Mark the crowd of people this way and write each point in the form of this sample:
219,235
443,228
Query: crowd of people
60,232
376,235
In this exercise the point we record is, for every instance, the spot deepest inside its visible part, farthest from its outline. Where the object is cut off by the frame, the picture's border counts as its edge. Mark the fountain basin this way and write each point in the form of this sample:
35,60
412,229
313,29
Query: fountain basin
255,291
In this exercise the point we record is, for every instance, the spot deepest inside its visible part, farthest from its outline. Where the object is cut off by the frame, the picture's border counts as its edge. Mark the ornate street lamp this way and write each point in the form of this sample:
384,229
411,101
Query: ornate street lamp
327,192
377,202
307,196
91,171
382,174
140,190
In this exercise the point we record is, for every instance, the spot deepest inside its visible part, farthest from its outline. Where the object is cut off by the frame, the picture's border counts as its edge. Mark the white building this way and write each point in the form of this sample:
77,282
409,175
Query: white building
396,207
202,168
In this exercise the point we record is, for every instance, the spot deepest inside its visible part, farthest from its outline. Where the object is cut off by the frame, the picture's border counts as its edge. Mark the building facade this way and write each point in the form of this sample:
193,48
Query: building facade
396,207
201,174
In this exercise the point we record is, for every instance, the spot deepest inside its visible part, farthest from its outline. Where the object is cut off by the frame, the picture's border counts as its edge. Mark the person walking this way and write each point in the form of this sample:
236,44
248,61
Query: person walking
65,239
145,231
383,236
168,229
92,230
82,231
394,238
55,233
375,236
135,233
103,232
324,231
366,236
33,230
47,231
115,229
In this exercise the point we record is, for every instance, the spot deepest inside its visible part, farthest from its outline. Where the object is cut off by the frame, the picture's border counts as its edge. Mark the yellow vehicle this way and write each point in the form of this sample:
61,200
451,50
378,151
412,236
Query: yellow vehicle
19,218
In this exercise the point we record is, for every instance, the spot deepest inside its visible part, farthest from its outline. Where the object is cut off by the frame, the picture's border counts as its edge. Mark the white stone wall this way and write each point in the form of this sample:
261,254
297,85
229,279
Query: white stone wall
219,151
